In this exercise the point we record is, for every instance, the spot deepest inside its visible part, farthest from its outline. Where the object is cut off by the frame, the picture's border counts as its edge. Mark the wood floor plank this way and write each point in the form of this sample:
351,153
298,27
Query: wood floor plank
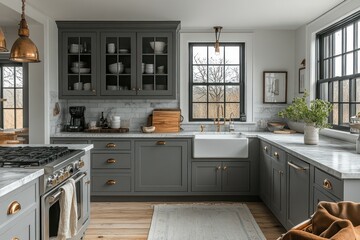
132,220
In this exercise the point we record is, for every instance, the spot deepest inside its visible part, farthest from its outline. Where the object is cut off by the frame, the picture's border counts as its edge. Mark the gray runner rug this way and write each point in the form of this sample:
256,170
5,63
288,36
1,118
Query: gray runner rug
203,222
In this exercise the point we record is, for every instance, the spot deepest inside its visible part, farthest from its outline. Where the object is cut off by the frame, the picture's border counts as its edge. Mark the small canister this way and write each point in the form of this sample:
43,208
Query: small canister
355,119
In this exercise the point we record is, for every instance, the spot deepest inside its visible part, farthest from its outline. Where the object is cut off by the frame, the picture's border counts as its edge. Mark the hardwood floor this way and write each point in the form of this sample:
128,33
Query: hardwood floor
131,220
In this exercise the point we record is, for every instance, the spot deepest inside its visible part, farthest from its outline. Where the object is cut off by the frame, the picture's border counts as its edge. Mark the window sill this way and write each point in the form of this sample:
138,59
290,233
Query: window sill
345,136
205,123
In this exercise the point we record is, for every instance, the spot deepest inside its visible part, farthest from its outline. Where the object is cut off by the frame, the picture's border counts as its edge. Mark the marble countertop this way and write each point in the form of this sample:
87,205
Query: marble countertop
13,178
336,157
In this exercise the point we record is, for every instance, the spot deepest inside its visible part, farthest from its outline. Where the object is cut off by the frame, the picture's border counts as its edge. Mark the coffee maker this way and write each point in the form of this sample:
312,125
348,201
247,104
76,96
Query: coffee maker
77,120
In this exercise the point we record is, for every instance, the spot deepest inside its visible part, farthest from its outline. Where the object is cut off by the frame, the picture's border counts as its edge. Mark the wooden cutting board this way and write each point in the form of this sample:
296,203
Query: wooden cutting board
166,120
285,131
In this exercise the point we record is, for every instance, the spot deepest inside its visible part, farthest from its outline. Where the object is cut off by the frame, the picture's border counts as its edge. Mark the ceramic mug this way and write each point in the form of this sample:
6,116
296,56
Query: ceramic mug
92,124
111,48
78,86
87,86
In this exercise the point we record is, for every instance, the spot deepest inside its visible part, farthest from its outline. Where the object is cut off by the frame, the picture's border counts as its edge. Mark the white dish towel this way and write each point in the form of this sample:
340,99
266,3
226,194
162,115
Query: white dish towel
68,211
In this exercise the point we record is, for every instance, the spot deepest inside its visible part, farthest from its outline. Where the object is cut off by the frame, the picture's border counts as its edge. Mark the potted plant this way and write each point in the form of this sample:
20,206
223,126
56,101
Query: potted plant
315,115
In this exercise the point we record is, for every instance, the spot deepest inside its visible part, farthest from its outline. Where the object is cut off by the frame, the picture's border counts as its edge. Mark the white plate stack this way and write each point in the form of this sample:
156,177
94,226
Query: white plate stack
115,122
149,68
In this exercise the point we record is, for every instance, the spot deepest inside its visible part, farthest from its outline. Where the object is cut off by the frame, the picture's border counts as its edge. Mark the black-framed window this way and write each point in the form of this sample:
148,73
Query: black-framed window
217,81
14,94
338,69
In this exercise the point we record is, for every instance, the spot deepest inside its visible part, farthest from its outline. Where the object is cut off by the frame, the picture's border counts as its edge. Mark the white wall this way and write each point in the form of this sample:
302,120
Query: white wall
300,54
43,32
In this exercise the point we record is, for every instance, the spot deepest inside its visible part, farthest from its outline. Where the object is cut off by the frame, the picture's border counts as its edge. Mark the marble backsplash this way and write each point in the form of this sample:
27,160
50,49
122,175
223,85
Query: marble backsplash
137,111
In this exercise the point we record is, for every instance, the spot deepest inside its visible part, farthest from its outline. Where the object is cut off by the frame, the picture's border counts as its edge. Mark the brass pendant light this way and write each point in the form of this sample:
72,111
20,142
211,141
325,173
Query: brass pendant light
23,49
2,42
217,38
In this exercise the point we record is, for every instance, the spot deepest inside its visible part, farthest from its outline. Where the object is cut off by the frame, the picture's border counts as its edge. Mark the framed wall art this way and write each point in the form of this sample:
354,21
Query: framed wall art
301,80
275,87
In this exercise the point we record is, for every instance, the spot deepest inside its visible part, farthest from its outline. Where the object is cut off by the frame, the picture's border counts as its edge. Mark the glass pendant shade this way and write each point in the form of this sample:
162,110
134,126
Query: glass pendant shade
2,42
23,49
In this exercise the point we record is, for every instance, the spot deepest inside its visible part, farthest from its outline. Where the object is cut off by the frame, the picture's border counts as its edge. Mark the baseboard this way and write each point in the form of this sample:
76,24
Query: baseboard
174,198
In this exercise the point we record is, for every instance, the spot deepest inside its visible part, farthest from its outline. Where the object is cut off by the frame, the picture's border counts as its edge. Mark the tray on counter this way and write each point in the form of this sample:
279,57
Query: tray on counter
107,130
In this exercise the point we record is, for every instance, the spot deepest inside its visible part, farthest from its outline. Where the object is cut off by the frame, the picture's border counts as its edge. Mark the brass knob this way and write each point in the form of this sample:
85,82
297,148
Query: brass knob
81,163
160,142
15,238
327,184
265,148
276,155
218,168
111,145
13,208
224,168
111,182
111,160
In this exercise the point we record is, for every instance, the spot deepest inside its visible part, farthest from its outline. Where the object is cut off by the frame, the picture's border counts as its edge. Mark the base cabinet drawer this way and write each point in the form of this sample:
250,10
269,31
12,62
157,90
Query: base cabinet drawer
110,183
111,160
329,183
111,145
23,229
320,196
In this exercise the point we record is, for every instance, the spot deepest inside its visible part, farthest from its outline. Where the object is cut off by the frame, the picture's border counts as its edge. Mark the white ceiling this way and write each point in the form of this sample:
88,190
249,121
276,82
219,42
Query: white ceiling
231,14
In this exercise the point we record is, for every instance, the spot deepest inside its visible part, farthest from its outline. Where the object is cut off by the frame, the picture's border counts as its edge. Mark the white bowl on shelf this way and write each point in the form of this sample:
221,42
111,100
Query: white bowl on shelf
79,64
116,67
158,46
80,70
111,87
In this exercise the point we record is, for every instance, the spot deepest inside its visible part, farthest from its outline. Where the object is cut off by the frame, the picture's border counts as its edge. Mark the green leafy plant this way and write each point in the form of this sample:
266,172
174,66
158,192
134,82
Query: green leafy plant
317,112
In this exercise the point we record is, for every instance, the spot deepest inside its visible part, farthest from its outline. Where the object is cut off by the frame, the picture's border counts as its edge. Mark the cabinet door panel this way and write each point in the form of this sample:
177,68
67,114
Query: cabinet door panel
265,173
298,191
206,177
160,165
278,191
235,177
320,196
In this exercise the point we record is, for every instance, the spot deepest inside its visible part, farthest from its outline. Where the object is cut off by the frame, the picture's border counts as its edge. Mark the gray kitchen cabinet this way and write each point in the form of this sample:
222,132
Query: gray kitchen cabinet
77,64
320,195
161,165
217,176
265,172
22,222
111,167
133,47
273,179
298,191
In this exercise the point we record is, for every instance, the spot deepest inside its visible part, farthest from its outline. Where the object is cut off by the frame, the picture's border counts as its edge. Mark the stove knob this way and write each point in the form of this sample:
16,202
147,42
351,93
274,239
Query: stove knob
66,174
80,163
52,181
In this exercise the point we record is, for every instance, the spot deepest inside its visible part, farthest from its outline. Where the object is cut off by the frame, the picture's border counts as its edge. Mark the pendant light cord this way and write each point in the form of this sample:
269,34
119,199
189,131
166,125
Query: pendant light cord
23,9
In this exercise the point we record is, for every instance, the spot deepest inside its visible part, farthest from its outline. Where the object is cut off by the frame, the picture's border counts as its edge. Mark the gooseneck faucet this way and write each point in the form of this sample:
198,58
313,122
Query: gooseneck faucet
217,122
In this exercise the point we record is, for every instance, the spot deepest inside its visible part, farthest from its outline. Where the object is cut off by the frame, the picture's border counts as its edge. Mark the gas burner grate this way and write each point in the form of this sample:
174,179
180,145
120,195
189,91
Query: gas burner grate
30,156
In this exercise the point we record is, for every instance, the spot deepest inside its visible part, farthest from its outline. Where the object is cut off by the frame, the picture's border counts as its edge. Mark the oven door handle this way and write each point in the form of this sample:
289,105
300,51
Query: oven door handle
53,197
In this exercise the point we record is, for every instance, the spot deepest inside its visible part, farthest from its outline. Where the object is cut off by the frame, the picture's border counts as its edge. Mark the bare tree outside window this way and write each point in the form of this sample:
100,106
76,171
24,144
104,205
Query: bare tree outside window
215,81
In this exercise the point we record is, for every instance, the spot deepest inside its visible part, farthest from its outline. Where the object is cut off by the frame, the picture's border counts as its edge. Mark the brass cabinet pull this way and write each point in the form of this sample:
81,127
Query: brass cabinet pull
13,208
218,168
15,238
111,160
160,142
276,155
296,166
111,182
265,148
327,184
224,168
111,145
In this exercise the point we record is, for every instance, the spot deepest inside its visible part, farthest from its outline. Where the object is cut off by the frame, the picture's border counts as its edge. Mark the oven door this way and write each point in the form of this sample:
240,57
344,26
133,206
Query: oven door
50,207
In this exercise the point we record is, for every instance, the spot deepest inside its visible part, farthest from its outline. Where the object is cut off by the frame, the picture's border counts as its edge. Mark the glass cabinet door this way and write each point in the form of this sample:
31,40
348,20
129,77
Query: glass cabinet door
118,64
79,66
155,66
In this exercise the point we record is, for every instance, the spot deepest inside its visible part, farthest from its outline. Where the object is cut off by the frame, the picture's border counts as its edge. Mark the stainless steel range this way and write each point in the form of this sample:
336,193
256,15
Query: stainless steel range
59,164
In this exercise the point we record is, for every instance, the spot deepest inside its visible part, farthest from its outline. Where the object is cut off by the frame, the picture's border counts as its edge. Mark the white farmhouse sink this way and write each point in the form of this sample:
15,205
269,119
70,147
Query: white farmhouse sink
219,145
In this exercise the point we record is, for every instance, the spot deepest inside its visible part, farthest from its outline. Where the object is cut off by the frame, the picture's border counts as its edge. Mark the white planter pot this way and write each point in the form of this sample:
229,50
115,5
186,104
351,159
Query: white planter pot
311,134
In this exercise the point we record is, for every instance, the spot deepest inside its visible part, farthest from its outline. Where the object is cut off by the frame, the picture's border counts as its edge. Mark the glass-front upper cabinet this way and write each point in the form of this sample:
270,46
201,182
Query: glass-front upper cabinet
78,72
155,64
118,64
